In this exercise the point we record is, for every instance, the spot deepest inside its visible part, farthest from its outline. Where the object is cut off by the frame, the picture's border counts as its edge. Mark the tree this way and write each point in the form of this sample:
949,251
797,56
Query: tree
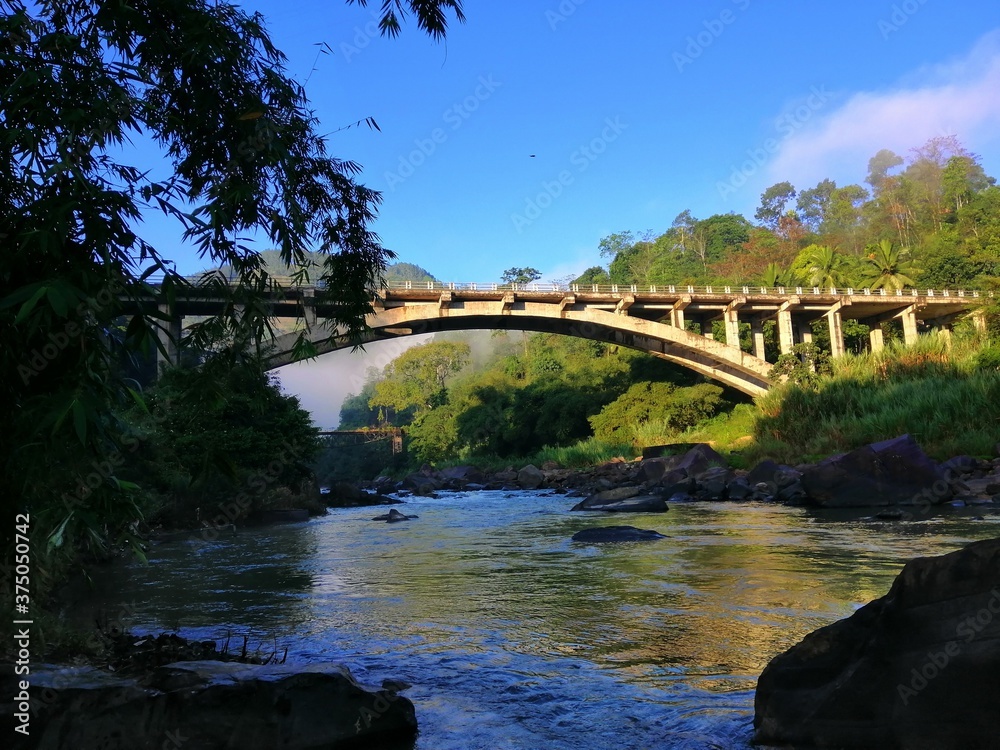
417,377
888,267
593,275
773,202
821,266
814,203
520,275
81,81
879,166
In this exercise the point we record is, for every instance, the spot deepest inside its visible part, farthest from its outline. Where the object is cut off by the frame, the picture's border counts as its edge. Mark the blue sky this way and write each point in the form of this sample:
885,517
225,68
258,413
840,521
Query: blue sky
634,111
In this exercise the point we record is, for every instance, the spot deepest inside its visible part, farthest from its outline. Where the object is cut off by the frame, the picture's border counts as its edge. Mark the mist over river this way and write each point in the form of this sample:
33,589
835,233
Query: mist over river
514,636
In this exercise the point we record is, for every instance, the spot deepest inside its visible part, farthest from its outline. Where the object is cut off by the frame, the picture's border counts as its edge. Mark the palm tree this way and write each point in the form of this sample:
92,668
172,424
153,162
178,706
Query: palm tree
824,266
888,267
775,276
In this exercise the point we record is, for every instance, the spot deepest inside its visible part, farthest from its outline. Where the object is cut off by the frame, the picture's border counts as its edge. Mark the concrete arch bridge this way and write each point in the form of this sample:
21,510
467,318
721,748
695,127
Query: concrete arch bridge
653,319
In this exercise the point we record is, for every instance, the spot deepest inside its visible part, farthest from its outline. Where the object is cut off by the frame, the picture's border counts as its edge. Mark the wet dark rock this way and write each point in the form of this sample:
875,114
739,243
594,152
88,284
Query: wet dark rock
393,516
347,495
960,465
210,704
786,476
917,668
739,489
763,472
792,494
640,504
712,483
462,474
893,472
530,477
605,534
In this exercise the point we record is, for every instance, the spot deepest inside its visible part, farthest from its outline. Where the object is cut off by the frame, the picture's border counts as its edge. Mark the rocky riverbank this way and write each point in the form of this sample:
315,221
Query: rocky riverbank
895,477
166,692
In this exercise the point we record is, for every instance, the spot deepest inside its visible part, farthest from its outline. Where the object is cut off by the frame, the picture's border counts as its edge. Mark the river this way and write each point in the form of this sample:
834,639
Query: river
512,635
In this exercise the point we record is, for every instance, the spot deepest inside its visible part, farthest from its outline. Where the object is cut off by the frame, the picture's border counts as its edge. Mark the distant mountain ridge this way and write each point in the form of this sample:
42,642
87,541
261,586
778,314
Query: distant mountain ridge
393,273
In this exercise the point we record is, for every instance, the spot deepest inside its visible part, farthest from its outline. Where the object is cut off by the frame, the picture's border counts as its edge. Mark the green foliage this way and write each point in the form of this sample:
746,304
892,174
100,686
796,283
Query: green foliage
407,272
948,398
416,378
240,155
221,433
671,409
804,365
520,275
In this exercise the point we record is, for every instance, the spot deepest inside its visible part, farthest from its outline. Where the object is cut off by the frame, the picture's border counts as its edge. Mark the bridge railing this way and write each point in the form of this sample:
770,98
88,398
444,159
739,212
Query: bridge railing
287,282
681,289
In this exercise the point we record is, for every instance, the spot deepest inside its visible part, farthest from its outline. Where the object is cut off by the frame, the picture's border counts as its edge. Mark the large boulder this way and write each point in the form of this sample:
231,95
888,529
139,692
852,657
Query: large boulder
347,495
604,497
530,477
208,704
636,504
918,668
606,534
462,474
893,472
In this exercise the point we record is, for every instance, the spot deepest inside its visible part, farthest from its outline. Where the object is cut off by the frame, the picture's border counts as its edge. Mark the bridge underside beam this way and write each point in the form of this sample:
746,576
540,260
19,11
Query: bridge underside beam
730,366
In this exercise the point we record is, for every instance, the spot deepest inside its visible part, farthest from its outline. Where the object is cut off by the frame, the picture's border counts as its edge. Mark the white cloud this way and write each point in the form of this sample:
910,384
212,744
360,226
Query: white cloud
958,97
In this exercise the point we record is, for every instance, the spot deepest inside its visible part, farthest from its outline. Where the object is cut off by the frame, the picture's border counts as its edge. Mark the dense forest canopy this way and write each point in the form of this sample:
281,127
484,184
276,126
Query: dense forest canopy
929,220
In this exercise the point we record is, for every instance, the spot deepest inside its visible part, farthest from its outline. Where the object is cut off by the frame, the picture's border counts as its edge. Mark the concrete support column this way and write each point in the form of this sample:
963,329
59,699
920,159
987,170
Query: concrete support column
732,321
909,316
979,321
834,321
757,335
805,332
786,335
706,329
875,338
677,312
309,308
944,329
168,334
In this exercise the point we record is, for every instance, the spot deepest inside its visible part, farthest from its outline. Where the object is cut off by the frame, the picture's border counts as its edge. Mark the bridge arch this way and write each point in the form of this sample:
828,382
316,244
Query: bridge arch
710,358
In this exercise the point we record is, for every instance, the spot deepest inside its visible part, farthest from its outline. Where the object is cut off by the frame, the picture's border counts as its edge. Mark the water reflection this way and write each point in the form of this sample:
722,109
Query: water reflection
515,636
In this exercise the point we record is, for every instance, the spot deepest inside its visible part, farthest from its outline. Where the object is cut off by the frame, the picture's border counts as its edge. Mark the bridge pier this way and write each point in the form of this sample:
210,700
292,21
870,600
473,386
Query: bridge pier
835,322
677,312
168,334
786,334
732,321
757,336
909,316
876,339
309,307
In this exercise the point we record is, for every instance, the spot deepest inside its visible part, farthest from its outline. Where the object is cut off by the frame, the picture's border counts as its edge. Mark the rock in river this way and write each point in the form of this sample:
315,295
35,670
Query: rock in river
616,534
210,704
393,516
893,472
918,668
640,504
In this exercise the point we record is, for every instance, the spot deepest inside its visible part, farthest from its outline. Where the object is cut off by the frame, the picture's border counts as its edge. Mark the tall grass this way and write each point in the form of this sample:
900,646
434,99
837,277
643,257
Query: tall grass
946,396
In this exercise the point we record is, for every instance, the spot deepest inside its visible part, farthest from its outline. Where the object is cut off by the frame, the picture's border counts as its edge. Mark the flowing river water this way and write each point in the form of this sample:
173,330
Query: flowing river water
514,636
